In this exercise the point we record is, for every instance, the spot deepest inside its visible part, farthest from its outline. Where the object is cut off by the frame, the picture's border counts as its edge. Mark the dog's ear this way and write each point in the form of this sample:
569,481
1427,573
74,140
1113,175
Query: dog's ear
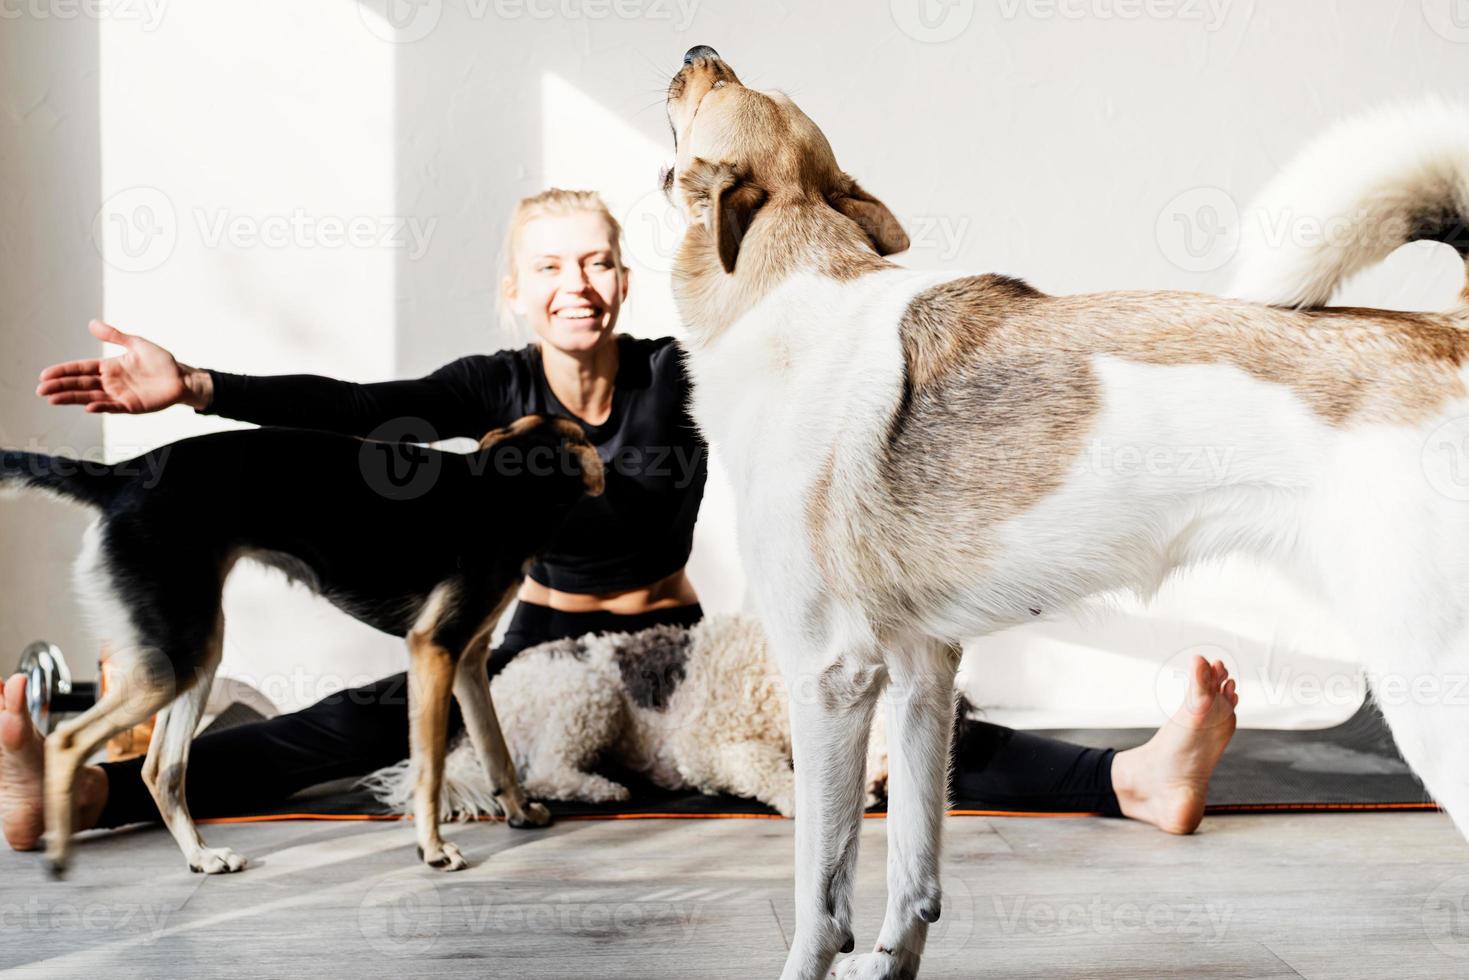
871,215
574,438
729,202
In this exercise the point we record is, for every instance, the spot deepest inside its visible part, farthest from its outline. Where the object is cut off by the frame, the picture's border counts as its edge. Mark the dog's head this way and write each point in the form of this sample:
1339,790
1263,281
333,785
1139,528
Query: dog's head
741,152
547,446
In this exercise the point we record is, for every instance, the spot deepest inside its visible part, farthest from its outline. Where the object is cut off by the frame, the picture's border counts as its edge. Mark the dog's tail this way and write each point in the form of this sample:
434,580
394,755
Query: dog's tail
1367,185
85,482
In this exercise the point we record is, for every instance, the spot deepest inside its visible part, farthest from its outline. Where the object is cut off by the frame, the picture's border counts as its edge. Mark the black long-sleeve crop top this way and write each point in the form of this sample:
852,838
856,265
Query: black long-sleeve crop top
639,531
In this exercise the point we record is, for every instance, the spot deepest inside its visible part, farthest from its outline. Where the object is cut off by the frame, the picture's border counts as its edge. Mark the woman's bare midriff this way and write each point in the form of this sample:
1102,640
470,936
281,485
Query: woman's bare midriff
666,593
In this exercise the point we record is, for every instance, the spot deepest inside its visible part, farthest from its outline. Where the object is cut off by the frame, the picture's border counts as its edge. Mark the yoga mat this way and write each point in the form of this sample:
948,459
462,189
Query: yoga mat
1352,766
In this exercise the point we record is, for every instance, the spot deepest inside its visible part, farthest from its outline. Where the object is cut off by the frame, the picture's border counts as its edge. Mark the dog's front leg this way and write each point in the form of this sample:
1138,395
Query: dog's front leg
430,682
920,718
831,712
472,691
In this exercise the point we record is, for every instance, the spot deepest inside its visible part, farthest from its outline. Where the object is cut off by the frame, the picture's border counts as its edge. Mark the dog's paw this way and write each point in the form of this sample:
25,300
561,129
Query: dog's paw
880,965
536,815
446,858
216,861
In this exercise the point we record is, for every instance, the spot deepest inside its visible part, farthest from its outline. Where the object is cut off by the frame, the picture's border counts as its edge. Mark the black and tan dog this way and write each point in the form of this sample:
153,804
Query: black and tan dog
418,543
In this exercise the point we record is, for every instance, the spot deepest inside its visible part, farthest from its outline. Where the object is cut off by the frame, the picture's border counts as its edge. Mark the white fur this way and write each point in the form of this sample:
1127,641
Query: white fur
1340,206
817,367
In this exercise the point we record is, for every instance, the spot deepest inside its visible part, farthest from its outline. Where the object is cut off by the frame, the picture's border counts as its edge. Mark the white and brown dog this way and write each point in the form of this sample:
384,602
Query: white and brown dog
912,466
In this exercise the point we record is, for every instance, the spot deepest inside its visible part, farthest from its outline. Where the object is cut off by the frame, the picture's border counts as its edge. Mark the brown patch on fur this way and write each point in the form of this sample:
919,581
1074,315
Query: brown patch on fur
1001,391
818,513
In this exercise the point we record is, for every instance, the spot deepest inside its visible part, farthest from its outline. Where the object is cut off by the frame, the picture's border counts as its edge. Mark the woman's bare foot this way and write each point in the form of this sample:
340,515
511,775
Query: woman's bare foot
1165,781
22,815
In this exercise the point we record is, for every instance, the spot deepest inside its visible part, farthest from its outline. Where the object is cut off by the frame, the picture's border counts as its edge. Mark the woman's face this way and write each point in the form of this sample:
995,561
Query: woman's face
568,285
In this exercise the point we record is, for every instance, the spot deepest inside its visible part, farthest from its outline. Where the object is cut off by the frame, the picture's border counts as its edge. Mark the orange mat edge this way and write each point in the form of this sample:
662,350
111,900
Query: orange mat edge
1213,810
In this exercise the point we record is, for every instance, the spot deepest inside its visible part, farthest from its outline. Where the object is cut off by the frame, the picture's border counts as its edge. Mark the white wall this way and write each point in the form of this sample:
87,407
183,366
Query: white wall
1066,141
50,277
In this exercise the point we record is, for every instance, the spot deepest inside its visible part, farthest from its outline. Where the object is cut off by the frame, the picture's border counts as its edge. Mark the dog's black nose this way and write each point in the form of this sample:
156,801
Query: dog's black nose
699,51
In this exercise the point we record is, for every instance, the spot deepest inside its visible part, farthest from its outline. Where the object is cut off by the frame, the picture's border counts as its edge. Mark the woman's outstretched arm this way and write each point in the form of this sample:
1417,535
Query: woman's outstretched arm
465,398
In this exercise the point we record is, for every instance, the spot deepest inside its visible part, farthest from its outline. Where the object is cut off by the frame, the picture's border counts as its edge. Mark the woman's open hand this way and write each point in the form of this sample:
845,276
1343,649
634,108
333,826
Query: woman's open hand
145,378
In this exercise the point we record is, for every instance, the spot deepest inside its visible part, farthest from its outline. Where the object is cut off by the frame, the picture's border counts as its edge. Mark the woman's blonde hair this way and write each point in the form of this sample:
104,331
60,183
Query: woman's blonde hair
551,202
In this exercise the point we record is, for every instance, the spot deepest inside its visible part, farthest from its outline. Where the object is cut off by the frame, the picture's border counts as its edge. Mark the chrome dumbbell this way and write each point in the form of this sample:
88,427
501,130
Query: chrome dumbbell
50,691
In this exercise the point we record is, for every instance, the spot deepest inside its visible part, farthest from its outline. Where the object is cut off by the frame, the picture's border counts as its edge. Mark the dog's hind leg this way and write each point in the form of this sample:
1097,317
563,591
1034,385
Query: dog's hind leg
472,691
165,767
829,730
143,682
430,682
920,721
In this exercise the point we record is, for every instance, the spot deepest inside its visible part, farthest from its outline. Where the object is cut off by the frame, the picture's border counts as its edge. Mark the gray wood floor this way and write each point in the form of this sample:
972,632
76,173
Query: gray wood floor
1317,896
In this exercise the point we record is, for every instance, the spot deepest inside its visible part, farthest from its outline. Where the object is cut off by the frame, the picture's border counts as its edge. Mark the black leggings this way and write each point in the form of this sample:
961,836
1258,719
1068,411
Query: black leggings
254,767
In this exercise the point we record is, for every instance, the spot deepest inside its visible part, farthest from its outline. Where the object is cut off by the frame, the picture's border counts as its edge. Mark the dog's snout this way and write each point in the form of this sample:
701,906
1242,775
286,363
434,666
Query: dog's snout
699,51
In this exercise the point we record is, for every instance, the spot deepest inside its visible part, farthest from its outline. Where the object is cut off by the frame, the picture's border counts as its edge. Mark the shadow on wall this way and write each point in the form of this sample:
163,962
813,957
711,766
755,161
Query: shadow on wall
50,280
